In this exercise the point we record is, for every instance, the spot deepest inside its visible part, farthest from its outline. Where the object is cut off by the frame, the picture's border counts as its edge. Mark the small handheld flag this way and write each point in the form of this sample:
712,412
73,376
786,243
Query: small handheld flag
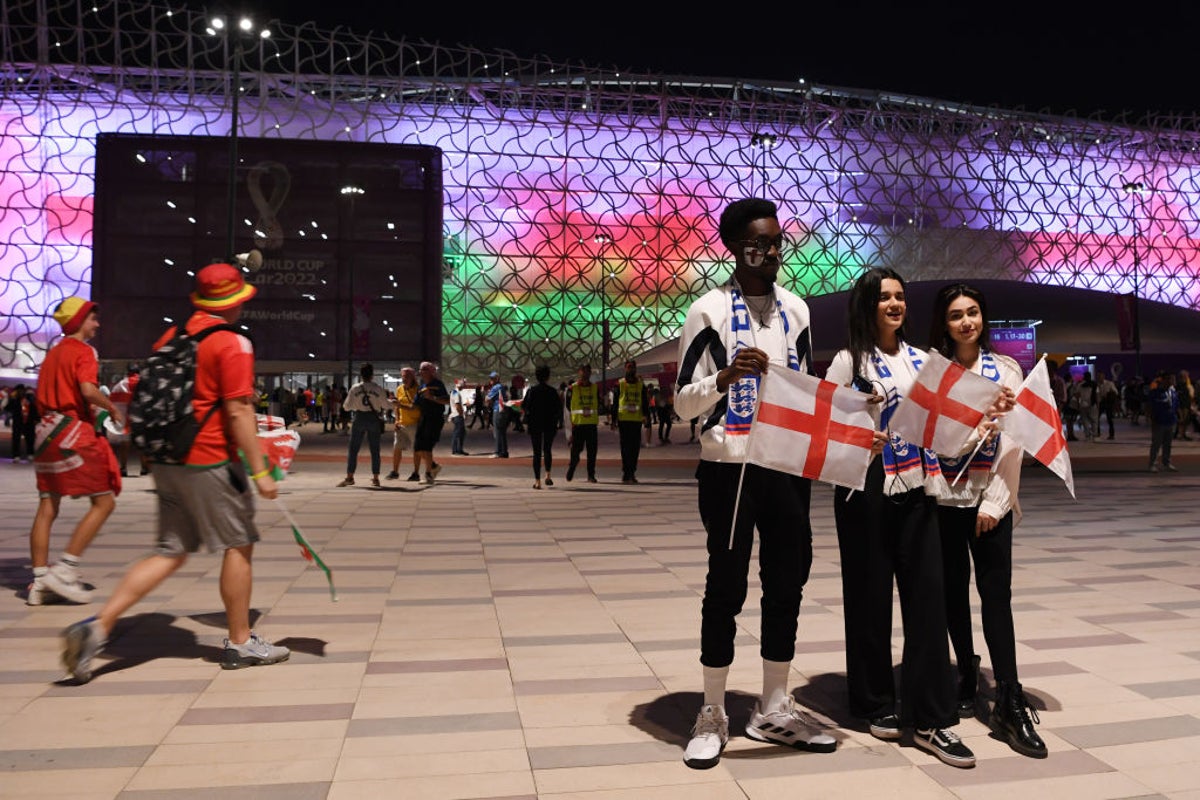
306,549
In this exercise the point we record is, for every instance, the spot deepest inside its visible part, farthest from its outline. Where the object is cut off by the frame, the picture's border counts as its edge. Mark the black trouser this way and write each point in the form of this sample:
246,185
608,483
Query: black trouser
543,442
991,553
583,435
664,423
631,445
775,503
881,538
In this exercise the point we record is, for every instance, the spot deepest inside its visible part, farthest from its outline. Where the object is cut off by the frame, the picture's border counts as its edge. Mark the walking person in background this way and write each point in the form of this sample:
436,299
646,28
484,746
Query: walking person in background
542,409
630,412
72,460
666,413
432,399
582,401
888,536
497,401
1089,407
976,517
1187,399
408,414
458,419
1110,402
366,400
23,412
1164,416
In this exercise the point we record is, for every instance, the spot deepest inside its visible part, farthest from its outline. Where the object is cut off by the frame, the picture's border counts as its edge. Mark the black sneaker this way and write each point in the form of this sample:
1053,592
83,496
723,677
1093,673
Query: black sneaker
414,477
393,475
946,745
886,727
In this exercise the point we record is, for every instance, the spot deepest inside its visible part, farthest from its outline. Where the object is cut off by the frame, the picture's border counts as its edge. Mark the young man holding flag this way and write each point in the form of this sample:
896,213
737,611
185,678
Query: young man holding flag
731,337
207,500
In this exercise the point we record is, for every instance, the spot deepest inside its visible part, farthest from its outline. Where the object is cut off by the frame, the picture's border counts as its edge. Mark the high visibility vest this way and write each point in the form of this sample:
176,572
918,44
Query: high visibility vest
585,405
629,401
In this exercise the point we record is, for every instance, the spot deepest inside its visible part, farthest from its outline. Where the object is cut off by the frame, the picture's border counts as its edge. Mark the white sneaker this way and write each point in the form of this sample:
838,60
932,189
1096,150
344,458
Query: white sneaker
39,594
709,737
65,582
788,725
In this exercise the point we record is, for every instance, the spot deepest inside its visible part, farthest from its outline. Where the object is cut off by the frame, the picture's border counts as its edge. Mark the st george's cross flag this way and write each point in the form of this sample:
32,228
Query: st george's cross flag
1034,424
813,428
944,406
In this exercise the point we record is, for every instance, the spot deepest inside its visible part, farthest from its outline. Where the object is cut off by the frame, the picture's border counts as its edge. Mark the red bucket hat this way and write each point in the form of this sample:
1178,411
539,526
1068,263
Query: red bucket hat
220,287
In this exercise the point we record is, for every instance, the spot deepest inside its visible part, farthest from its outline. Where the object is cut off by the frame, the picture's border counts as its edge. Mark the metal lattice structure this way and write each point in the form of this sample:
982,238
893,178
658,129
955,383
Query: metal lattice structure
575,196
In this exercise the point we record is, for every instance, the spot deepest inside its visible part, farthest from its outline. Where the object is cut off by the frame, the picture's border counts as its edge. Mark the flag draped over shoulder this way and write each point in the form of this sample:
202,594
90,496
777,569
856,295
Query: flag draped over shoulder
813,428
1035,425
944,406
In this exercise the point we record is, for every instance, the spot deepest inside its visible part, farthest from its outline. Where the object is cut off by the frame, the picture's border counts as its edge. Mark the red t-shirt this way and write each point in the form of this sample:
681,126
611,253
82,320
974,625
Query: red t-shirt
224,370
68,364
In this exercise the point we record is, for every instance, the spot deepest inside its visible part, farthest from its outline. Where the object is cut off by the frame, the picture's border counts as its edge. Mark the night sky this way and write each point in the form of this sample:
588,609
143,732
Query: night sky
1062,57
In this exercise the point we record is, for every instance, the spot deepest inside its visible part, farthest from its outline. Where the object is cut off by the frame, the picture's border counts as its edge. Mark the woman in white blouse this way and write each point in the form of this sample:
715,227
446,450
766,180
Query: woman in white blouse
888,532
976,516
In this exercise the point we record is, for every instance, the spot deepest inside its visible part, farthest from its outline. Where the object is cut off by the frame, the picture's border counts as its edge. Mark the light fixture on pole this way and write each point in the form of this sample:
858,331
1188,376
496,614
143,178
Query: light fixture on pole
234,36
1138,190
763,142
602,240
351,193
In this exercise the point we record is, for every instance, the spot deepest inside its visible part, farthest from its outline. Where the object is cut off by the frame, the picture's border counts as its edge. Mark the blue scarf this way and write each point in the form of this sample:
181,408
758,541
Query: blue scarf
744,394
986,455
900,457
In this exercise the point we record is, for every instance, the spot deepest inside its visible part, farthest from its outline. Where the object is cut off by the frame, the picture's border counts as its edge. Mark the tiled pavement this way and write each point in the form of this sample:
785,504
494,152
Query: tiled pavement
492,641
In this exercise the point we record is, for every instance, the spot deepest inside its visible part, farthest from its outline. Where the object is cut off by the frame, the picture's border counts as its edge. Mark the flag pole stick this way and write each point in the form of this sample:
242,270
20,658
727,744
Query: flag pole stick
737,500
309,553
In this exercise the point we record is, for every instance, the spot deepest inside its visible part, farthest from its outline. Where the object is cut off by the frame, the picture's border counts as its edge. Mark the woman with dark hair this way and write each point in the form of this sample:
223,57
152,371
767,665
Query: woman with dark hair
976,517
888,532
542,409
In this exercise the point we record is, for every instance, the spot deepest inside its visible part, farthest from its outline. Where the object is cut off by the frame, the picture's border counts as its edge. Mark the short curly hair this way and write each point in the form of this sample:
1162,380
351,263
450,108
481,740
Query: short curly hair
739,214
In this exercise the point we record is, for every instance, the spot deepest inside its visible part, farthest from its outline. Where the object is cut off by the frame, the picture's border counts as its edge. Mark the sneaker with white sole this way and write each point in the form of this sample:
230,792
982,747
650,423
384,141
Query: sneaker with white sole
65,582
946,745
791,726
81,643
38,594
434,470
886,727
254,652
710,734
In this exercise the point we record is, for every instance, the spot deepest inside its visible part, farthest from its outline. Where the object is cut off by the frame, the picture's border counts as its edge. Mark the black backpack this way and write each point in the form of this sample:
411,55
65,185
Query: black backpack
160,414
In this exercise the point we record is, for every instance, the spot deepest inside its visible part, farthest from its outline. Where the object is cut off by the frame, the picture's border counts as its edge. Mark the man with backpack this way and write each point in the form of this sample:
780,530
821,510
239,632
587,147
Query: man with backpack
204,491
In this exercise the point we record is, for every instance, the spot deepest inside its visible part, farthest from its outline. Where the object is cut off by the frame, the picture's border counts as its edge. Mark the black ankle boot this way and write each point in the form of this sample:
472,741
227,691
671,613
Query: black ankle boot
1013,718
968,685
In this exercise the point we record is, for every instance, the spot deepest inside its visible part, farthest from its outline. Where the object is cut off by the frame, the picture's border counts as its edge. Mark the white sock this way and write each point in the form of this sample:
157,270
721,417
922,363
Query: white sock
714,685
39,572
775,674
70,560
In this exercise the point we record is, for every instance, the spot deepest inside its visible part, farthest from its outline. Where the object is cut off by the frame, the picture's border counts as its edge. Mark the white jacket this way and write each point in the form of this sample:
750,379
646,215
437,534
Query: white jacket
705,348
994,492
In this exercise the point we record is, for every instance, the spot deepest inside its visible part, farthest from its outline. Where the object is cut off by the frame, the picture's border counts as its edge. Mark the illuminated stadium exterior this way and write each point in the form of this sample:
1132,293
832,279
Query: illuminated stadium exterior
575,197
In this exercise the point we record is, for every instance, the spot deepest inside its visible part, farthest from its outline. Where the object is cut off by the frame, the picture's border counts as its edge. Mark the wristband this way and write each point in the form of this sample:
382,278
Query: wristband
258,475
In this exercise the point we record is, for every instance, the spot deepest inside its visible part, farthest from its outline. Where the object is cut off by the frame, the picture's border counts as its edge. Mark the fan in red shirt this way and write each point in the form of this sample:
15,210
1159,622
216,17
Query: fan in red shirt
208,501
70,459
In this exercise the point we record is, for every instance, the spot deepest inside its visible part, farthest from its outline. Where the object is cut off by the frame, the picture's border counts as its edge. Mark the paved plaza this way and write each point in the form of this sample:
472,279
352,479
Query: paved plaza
493,641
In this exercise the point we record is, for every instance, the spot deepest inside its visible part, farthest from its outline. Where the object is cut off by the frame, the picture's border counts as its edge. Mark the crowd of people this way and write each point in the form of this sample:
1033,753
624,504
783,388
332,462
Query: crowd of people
912,531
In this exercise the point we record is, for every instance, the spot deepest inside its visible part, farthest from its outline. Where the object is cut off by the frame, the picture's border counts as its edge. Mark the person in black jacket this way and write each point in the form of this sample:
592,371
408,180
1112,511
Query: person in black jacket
542,411
23,412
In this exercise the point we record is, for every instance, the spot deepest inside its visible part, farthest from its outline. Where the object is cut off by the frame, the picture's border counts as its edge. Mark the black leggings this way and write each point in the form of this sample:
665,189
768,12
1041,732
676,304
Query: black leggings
542,441
992,554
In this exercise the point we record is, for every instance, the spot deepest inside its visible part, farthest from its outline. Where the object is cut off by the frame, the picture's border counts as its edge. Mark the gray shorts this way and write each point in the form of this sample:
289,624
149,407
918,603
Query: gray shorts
404,437
213,507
